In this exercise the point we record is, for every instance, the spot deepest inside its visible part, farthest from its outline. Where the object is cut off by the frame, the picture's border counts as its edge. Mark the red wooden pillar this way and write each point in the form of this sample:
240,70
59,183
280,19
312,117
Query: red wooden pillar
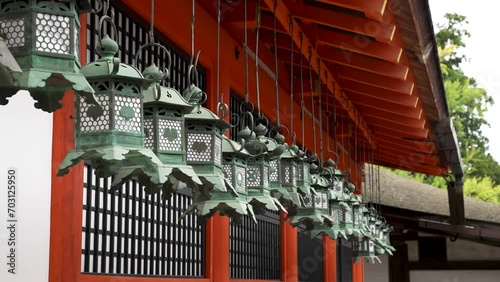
67,191
358,271
289,254
217,247
330,259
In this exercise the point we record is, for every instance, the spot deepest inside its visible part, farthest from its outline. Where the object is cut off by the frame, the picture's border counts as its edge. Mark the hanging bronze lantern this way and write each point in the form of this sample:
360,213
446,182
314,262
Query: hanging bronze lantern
43,37
164,131
111,136
275,148
338,198
365,248
258,168
313,212
204,138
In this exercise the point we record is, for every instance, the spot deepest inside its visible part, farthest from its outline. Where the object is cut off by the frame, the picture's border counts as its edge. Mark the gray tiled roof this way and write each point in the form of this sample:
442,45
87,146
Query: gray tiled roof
401,192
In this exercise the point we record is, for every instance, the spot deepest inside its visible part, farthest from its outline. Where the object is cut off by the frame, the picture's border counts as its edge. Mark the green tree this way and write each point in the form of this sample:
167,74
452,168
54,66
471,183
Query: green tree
467,103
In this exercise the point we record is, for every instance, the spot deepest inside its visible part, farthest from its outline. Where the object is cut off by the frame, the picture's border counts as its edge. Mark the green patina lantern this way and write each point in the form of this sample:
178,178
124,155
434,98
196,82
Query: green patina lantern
338,198
303,168
111,136
281,170
164,131
313,212
204,139
258,171
382,241
357,218
365,247
43,37
386,231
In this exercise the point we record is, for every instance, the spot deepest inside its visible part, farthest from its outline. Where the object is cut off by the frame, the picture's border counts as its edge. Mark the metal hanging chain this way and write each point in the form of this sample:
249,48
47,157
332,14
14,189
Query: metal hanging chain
245,48
257,31
276,68
358,168
192,30
335,123
152,19
379,190
218,53
312,98
302,103
291,75
321,157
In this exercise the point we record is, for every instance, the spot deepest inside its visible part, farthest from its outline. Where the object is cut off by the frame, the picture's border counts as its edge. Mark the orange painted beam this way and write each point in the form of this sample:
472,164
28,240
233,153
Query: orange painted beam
383,105
417,146
67,191
397,132
396,124
363,62
379,93
358,44
382,32
373,8
374,111
361,76
283,16
415,157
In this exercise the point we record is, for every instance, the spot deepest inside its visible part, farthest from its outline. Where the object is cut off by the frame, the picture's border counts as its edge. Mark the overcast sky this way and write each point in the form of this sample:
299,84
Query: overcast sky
481,50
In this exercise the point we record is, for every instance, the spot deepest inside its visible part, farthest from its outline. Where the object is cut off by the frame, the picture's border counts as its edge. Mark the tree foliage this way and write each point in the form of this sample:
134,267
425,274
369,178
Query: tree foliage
468,104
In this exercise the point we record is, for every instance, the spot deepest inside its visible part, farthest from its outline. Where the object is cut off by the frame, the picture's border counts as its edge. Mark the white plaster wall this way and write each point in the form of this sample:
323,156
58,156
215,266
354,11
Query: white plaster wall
467,250
455,276
412,250
377,272
26,144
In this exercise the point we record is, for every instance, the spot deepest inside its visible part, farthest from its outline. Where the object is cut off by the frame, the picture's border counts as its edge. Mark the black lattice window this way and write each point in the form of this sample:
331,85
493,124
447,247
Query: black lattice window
255,248
310,258
128,232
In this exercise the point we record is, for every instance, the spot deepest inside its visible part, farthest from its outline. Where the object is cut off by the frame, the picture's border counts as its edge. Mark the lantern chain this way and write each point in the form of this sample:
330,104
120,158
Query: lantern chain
291,75
312,98
302,103
320,114
276,67
257,32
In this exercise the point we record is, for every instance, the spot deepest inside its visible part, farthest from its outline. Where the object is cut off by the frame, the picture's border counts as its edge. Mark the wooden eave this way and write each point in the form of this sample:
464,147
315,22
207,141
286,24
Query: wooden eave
374,53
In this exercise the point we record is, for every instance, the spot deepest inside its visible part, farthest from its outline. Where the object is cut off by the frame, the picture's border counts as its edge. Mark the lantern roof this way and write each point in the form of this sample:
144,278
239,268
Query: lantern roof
166,96
200,113
110,66
231,147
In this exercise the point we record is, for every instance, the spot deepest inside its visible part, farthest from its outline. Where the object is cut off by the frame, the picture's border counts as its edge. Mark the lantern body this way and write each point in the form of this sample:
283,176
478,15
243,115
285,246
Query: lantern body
110,135
204,132
258,173
259,193
235,165
204,144
43,36
164,124
164,131
303,179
